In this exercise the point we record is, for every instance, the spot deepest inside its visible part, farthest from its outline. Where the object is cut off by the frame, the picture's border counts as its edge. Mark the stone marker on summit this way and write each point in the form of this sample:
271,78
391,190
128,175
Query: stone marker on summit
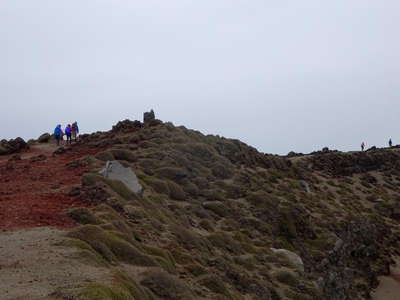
149,116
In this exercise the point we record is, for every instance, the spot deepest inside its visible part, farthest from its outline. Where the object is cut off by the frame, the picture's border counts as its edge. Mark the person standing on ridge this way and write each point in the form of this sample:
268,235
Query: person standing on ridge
362,146
390,143
75,131
68,133
58,134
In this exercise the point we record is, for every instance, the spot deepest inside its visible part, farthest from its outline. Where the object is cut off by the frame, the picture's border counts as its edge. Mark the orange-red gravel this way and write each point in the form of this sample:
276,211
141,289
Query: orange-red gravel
34,194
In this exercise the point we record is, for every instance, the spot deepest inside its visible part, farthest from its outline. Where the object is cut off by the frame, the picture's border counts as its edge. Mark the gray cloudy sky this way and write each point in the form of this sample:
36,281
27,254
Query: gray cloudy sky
279,75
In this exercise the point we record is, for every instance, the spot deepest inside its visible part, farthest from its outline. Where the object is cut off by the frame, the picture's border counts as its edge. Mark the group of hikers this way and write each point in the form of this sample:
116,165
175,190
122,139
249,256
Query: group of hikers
71,131
363,145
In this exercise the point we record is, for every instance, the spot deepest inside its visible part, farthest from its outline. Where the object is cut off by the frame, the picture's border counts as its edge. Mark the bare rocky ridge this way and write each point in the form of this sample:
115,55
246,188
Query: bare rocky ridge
219,220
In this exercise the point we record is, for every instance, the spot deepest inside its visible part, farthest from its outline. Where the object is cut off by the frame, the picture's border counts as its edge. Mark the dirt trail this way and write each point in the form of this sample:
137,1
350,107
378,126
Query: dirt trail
34,200
389,286
34,191
32,266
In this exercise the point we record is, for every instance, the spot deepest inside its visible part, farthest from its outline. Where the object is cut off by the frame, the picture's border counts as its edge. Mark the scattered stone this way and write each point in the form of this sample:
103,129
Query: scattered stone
295,259
294,154
304,184
59,151
79,163
15,157
62,150
74,191
55,186
37,158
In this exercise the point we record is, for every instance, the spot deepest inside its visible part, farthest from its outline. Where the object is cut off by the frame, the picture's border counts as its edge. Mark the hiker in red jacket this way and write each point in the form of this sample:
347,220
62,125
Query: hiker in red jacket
75,131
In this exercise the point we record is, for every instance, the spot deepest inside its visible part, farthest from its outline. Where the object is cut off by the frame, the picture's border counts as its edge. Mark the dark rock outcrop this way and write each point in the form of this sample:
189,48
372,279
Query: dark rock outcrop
127,126
347,164
44,138
359,250
13,146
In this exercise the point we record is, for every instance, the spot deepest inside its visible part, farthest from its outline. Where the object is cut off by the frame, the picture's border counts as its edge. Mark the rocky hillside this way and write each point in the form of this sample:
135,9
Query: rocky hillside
216,219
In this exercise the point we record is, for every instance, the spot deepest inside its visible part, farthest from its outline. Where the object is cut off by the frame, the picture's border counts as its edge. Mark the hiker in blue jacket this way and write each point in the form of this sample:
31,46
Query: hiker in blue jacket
58,134
68,133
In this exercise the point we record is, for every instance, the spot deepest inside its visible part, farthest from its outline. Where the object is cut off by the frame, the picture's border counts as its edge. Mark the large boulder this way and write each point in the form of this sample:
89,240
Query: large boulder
114,170
13,146
292,257
44,138
3,149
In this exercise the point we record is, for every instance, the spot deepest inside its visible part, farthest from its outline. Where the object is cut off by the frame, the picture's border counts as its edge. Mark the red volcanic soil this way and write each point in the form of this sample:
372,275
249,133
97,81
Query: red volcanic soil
35,192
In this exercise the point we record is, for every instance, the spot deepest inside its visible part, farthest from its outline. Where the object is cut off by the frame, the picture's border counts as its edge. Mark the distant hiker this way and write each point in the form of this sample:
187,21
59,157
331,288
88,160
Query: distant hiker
390,143
68,133
75,131
58,134
362,146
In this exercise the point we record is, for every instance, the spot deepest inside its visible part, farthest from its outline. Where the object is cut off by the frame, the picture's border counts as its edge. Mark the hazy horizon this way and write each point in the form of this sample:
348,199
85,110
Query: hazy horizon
280,76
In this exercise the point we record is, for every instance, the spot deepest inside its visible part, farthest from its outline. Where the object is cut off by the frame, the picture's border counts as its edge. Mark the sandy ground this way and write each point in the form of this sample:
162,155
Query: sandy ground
32,266
389,288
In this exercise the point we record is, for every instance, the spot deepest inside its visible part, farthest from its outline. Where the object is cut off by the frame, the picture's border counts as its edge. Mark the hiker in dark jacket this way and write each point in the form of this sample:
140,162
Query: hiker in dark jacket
390,143
68,133
58,134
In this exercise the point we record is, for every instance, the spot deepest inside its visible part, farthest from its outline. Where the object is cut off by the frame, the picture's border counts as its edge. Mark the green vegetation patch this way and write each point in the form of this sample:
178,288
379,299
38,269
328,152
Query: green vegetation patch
84,216
166,286
262,199
128,284
225,242
286,277
221,170
121,189
158,185
214,284
97,291
86,253
170,173
164,257
111,247
218,208
121,154
175,191
189,239
105,156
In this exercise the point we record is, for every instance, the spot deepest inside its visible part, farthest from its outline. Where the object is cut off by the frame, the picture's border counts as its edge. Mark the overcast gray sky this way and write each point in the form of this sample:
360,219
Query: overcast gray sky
279,75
